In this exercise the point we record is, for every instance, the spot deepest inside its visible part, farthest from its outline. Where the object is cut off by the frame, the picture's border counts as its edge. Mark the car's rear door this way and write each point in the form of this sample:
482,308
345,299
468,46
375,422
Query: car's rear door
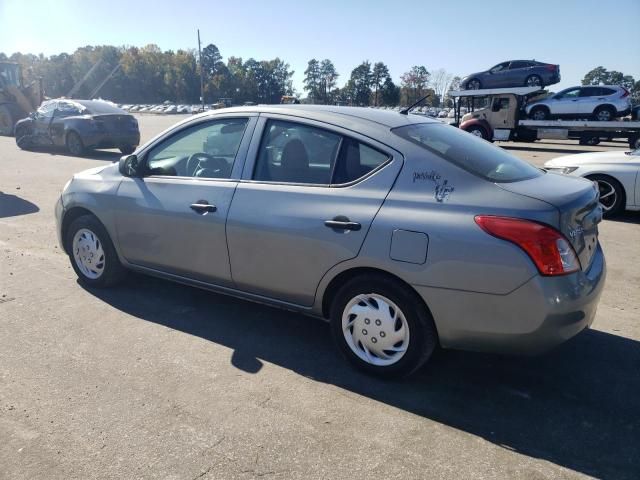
173,219
589,99
308,196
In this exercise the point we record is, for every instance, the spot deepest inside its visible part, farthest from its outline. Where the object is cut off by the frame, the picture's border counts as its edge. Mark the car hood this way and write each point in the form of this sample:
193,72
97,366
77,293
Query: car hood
590,158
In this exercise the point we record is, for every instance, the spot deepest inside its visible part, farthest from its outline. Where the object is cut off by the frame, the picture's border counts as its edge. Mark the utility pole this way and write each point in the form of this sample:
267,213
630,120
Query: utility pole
201,72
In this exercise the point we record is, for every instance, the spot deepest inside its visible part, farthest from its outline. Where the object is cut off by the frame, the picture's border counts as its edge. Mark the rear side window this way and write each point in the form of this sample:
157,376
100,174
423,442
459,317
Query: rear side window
606,91
473,154
296,153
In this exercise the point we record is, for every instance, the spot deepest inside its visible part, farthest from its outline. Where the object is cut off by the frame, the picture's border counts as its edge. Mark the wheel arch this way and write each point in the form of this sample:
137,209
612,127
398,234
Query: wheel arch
606,105
69,216
343,277
620,182
480,123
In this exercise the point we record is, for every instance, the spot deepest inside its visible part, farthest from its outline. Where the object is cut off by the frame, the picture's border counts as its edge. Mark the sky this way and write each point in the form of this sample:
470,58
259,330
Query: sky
461,36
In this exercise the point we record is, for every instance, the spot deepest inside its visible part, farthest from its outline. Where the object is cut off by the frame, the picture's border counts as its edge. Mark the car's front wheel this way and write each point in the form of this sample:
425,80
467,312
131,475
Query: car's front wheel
540,113
474,84
92,254
381,326
478,131
612,196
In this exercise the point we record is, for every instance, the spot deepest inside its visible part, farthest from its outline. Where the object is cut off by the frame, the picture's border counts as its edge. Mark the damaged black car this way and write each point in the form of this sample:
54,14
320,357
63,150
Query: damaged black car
78,125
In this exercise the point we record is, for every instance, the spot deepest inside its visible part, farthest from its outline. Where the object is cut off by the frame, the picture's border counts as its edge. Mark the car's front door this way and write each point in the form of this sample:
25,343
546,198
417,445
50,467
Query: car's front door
307,199
499,76
173,219
42,122
565,102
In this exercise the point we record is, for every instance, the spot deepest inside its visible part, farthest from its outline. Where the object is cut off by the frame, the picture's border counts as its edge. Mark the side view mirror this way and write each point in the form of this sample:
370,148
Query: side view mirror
129,166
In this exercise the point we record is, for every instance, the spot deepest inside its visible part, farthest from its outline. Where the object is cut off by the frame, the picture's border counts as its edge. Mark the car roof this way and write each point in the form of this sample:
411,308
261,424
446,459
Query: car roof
332,114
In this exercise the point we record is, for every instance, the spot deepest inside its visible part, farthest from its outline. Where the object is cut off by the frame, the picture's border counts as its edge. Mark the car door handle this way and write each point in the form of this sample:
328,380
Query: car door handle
203,207
342,223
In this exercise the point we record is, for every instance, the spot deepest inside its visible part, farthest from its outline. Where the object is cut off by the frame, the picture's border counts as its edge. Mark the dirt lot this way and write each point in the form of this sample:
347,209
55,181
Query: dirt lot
157,380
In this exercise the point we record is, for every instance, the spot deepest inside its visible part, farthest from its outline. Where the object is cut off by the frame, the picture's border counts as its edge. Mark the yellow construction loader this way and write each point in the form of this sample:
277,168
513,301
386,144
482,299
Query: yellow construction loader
16,99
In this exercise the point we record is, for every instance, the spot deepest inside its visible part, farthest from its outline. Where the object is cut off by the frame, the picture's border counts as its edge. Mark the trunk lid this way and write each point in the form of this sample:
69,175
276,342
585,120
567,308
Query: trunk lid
577,201
116,123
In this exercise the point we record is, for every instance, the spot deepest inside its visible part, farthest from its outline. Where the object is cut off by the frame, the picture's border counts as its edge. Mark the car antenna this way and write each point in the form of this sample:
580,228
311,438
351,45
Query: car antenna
405,111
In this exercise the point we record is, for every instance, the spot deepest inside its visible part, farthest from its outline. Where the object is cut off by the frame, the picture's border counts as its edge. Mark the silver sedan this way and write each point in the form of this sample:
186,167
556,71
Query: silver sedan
403,232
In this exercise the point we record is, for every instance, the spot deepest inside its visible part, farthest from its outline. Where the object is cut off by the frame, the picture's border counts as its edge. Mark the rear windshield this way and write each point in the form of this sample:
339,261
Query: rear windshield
100,108
469,152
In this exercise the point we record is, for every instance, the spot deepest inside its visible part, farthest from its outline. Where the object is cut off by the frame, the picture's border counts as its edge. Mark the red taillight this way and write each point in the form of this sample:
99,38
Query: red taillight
551,68
548,248
625,94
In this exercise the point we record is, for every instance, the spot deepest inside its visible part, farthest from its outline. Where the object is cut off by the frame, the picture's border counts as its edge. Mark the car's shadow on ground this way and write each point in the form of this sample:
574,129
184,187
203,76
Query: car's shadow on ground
102,155
13,206
626,217
577,407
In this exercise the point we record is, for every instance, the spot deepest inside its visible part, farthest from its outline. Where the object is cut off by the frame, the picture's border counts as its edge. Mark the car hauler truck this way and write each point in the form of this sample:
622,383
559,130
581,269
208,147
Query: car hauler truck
498,114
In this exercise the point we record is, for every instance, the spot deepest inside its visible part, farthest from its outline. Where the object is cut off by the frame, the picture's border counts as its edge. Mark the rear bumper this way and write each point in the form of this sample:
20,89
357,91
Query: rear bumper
537,316
111,140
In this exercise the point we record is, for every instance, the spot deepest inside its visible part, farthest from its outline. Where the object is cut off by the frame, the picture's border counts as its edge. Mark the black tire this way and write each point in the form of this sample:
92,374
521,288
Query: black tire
113,271
478,131
610,208
74,144
423,336
540,113
634,142
605,113
127,149
533,81
474,84
23,138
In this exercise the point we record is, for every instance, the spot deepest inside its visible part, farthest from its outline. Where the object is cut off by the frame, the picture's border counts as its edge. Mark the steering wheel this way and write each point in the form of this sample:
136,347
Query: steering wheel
193,163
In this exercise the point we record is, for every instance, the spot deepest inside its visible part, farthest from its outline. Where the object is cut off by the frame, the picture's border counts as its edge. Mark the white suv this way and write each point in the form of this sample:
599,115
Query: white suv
599,102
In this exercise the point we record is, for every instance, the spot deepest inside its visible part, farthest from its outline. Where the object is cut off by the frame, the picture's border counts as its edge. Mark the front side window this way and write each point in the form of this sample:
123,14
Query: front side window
500,67
468,152
205,150
46,109
500,104
569,94
296,153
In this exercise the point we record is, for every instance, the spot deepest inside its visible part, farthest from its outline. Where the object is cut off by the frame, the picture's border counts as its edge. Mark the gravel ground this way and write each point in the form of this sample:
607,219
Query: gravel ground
158,380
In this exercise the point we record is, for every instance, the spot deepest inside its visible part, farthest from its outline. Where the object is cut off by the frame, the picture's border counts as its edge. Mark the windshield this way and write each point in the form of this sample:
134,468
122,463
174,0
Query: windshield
468,152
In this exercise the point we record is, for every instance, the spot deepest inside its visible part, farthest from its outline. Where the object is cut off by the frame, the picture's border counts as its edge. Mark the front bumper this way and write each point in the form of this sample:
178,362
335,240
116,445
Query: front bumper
542,313
59,213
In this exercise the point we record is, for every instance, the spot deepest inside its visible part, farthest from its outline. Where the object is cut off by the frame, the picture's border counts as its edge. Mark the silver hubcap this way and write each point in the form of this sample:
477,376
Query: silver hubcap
533,81
608,195
474,85
375,329
604,115
476,132
88,253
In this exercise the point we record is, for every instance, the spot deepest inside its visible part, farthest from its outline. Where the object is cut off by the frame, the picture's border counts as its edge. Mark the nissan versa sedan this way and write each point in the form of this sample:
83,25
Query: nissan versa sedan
403,232
78,125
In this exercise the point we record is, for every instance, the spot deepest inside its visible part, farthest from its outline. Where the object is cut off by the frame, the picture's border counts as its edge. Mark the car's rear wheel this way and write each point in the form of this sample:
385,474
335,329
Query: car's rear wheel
612,196
604,114
74,144
478,131
474,84
92,254
381,326
634,142
540,113
127,149
533,81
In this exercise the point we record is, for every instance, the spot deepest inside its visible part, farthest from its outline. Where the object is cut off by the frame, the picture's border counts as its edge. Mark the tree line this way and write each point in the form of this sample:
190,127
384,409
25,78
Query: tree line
150,75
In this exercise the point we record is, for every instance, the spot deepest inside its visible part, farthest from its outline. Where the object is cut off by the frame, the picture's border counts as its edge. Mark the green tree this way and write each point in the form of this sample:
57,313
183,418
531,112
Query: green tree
414,83
312,80
390,93
328,77
379,75
359,85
